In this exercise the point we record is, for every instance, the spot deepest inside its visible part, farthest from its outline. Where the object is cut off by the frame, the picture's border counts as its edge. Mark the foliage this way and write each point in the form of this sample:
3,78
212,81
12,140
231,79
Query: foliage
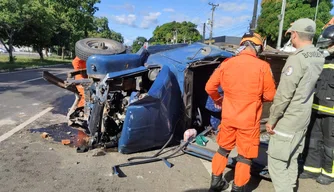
186,32
268,22
101,29
138,43
12,20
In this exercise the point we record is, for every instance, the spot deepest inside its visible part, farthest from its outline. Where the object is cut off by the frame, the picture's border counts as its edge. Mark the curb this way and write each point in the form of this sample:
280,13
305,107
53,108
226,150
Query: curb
34,67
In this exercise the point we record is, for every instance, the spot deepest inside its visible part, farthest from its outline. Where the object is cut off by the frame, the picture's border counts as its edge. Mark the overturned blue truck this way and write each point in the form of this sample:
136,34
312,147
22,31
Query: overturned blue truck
146,100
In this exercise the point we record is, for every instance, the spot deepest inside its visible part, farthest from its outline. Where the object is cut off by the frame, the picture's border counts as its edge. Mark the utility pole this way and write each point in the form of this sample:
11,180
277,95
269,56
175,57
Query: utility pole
253,23
213,10
316,11
203,38
175,36
281,17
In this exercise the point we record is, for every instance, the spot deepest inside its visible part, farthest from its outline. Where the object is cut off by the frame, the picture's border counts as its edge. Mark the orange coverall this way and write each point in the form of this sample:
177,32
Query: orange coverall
79,64
246,81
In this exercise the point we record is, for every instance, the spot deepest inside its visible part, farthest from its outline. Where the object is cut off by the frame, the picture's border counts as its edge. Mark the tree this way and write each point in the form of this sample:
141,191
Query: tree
76,18
138,43
12,19
268,23
101,29
175,31
40,26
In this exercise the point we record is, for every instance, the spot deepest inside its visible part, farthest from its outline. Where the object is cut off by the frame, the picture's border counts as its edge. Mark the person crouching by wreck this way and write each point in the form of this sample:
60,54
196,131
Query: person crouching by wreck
247,81
291,110
79,64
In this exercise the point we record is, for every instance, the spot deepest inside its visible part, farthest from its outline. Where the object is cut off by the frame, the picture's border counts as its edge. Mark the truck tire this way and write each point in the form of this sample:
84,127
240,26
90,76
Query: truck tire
97,46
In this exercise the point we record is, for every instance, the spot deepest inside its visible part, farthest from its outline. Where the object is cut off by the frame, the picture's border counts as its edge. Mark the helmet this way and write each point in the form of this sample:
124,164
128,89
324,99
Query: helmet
326,39
254,39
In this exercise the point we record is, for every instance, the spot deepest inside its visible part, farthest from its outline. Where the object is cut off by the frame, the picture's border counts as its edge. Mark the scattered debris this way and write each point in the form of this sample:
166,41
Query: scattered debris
140,177
77,162
66,141
45,135
25,147
51,149
82,149
99,153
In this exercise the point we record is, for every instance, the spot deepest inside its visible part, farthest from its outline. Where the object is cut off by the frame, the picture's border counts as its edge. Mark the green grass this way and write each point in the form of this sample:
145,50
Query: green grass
26,61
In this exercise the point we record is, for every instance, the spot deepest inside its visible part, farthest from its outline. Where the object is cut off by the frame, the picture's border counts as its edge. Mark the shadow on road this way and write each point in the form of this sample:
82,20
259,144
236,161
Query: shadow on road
62,104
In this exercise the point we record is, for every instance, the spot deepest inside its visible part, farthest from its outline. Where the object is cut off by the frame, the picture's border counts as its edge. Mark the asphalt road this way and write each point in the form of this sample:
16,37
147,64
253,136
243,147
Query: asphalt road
29,105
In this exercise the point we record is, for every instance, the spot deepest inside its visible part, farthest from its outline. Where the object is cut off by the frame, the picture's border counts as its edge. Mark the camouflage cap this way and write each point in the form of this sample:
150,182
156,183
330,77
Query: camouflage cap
303,25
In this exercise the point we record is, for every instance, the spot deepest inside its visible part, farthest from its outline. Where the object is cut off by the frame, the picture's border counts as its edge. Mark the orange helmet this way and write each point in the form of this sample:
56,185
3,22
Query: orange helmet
255,41
253,37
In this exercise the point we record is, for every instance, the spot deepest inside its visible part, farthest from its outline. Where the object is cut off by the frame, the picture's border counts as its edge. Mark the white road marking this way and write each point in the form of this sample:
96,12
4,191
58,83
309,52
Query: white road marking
24,124
26,81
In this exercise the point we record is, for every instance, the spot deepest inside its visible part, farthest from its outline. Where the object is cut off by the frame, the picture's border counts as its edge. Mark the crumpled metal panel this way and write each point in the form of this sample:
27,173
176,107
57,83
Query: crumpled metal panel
150,120
99,65
179,59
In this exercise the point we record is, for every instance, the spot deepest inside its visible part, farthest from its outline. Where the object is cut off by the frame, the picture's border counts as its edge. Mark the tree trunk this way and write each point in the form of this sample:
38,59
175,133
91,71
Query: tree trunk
10,52
9,48
62,52
40,52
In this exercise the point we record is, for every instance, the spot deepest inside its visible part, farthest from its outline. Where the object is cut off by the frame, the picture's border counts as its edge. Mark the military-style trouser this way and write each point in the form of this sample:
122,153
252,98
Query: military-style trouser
319,145
283,151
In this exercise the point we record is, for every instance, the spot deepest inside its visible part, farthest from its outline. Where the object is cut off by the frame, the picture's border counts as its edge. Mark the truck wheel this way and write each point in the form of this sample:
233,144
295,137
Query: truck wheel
99,46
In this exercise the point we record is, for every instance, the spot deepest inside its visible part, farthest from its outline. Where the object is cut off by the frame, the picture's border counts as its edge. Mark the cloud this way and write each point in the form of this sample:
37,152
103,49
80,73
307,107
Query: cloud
128,7
128,41
150,19
233,7
125,19
228,21
169,10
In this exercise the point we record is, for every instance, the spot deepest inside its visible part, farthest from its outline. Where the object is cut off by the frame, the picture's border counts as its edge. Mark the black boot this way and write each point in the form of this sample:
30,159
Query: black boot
237,188
324,180
308,175
218,183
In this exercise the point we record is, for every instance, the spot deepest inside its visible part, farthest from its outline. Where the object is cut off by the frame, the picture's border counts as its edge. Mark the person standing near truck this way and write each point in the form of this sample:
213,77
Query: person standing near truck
318,154
291,110
247,81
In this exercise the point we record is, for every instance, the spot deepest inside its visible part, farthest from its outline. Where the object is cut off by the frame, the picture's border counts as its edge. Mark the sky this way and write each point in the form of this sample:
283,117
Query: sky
133,18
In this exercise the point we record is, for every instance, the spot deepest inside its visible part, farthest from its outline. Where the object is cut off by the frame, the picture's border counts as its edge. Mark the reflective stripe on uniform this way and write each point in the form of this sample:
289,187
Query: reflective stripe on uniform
283,134
329,174
323,108
328,66
312,169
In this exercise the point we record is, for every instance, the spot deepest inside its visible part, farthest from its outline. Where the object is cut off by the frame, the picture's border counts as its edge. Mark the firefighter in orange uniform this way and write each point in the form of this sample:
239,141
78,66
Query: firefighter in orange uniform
79,64
247,82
